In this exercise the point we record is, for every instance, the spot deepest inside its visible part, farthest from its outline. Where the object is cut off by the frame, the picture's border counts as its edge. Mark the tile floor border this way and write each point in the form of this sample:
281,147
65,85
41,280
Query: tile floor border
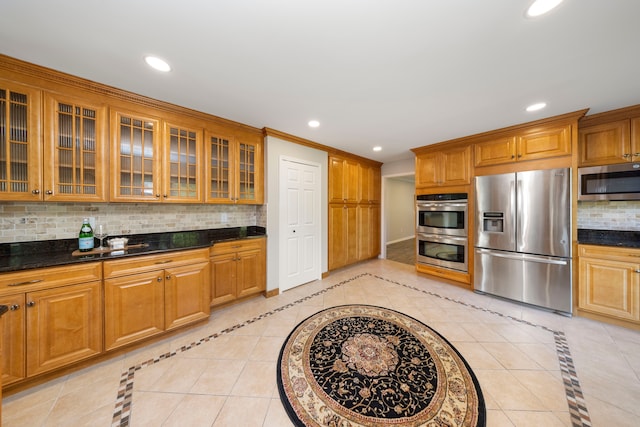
575,399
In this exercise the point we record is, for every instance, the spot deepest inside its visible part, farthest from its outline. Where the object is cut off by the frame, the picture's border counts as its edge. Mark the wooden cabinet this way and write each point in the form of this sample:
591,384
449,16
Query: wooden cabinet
609,143
370,184
343,234
368,219
238,269
235,165
145,296
54,319
609,282
182,163
344,180
443,167
20,143
75,149
530,144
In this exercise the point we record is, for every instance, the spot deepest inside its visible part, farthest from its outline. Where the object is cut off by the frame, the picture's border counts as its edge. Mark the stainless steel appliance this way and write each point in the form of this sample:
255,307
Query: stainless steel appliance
442,214
441,230
610,182
523,237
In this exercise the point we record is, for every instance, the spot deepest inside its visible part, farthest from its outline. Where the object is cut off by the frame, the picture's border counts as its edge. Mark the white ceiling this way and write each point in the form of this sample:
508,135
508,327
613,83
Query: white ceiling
394,73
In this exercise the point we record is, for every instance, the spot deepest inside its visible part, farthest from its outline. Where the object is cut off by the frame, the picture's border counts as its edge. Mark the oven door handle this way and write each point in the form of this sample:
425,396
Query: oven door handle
443,239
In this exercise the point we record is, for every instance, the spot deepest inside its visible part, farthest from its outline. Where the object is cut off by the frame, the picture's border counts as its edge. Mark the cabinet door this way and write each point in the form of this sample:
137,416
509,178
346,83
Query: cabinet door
455,166
20,143
64,325
369,184
604,144
75,142
343,238
495,152
610,287
364,229
251,272
223,278
134,308
182,164
427,169
635,140
135,158
13,339
344,180
220,170
187,294
551,142
249,185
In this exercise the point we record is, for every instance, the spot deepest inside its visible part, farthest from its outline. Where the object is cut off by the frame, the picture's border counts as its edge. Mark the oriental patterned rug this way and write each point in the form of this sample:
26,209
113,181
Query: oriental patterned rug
362,365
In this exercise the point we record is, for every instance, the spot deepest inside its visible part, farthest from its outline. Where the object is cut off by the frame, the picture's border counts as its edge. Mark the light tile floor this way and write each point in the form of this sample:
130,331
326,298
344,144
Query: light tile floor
224,372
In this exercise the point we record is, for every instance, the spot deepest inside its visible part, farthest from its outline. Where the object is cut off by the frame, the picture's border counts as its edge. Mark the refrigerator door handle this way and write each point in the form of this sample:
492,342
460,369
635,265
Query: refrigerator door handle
523,257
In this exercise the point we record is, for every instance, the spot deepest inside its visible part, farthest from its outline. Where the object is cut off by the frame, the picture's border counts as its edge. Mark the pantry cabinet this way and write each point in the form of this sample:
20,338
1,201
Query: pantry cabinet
344,180
609,282
238,269
54,319
536,143
147,295
20,142
234,171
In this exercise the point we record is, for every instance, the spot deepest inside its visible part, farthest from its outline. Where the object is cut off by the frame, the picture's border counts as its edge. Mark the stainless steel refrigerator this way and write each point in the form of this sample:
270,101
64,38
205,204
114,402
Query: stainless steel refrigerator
523,237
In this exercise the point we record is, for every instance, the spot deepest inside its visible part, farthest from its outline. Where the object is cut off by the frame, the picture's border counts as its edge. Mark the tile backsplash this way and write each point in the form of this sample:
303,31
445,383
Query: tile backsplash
605,215
23,222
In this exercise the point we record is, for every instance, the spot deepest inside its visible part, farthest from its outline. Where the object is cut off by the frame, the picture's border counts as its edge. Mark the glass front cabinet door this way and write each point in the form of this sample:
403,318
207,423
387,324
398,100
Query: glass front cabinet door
75,142
182,165
20,143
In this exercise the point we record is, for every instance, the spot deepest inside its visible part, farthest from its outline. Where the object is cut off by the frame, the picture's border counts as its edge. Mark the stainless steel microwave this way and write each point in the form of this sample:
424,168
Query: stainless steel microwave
610,182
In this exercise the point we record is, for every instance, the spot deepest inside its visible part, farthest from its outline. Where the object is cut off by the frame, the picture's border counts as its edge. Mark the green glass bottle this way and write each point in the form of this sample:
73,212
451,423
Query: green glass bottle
85,238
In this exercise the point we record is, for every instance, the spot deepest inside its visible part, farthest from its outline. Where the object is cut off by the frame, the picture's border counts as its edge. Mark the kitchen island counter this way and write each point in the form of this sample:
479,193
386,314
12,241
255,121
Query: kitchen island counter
47,253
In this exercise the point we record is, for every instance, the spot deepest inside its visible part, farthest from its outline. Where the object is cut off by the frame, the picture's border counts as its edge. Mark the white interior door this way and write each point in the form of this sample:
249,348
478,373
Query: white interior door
299,222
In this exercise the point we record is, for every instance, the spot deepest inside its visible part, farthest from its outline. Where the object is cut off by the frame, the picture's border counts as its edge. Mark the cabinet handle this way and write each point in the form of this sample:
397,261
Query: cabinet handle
35,191
636,154
165,196
30,282
164,262
168,277
236,246
638,270
519,155
31,303
626,156
158,196
513,157
14,307
49,192
159,279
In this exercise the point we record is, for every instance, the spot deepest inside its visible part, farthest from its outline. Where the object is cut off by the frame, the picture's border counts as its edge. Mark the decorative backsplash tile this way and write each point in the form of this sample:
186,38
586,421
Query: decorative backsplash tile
24,222
609,215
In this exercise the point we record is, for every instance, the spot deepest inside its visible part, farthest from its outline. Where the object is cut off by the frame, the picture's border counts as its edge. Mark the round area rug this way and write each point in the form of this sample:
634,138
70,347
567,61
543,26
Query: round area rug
361,365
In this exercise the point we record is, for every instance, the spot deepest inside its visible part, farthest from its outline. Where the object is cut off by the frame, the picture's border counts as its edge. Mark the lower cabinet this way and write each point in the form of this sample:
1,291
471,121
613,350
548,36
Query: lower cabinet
609,282
54,319
238,269
147,295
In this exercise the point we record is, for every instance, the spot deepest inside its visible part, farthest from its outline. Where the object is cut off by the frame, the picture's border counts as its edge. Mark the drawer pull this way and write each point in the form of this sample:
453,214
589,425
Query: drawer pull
14,307
31,303
159,279
30,282
638,271
164,262
168,277
236,246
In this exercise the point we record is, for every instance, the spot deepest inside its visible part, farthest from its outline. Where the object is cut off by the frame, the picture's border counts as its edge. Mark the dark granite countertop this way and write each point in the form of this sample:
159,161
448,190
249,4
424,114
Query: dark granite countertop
629,239
48,253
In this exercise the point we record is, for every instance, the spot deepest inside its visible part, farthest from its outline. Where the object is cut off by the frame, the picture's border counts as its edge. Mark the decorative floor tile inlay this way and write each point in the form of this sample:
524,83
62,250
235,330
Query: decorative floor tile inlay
575,399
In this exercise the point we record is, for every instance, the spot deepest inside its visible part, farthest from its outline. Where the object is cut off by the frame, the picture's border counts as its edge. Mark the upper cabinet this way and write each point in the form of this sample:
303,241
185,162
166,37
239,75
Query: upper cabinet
344,180
20,143
611,137
370,183
234,167
533,144
182,163
443,167
75,147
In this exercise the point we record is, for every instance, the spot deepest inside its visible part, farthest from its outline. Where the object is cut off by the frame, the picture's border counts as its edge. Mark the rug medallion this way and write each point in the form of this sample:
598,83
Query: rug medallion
362,365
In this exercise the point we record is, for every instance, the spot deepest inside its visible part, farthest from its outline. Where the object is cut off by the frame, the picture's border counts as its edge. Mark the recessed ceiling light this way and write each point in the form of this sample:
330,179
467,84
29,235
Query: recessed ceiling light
540,7
377,148
157,63
537,106
313,123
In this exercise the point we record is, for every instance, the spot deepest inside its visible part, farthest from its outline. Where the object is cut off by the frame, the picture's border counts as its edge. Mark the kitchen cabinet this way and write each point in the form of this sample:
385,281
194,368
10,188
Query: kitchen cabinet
182,163
147,295
443,167
609,282
54,319
238,269
343,234
368,219
235,165
370,184
75,149
344,180
610,143
20,142
530,144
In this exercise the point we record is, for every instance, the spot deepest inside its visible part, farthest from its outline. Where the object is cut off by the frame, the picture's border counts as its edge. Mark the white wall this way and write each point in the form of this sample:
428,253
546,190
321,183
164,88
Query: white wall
274,148
399,210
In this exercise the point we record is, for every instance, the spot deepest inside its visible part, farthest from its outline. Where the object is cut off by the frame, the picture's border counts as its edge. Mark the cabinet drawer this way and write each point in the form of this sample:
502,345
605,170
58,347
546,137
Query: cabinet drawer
237,246
42,278
127,266
609,252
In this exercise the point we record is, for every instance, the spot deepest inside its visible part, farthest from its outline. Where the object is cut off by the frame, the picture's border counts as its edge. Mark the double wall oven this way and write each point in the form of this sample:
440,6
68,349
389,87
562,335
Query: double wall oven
441,230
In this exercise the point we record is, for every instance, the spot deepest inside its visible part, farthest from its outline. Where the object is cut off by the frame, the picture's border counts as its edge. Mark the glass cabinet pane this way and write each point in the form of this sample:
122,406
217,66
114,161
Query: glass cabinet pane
182,164
14,142
247,176
136,157
219,168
